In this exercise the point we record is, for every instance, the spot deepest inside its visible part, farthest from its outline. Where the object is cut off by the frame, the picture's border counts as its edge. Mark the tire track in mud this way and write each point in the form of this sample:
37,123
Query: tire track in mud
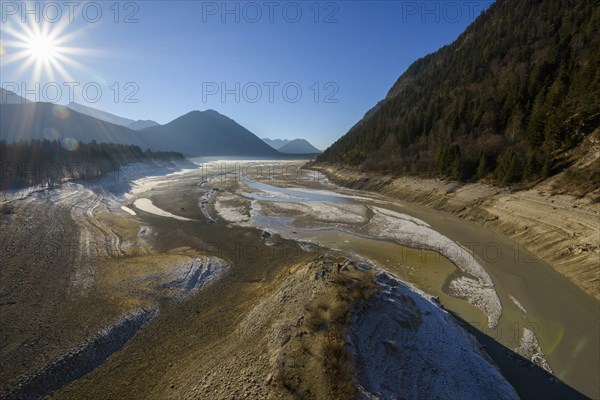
93,240
96,240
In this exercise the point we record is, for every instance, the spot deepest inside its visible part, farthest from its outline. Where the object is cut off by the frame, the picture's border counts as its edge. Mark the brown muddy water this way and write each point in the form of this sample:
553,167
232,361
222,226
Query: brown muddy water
564,319
534,296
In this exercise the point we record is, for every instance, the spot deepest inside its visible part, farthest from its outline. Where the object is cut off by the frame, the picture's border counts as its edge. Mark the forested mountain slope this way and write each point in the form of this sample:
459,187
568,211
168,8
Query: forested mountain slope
508,101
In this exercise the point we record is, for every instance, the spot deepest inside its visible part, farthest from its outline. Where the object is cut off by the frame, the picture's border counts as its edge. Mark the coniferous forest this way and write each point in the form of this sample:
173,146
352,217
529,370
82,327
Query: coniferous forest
513,94
47,162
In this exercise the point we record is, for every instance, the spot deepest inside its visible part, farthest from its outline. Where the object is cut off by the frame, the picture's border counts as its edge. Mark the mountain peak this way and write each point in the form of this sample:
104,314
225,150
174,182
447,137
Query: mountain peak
211,133
208,111
295,146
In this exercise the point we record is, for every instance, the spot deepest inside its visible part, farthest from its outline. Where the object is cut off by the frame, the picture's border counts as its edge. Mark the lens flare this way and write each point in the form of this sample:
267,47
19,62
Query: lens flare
100,80
61,112
51,134
581,344
69,144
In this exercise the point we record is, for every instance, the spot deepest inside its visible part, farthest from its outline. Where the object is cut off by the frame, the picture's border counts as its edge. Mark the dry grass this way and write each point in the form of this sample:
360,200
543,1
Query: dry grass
317,365
351,287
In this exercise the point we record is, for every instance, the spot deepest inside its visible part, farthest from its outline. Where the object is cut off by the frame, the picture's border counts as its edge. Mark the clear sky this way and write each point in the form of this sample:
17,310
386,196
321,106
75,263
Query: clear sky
247,60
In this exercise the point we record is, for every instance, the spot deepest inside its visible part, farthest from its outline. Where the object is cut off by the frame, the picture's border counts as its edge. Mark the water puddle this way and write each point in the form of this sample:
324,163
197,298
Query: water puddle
274,193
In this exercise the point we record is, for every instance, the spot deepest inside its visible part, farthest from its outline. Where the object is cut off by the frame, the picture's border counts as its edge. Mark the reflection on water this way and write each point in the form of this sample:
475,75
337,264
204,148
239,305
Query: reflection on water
274,193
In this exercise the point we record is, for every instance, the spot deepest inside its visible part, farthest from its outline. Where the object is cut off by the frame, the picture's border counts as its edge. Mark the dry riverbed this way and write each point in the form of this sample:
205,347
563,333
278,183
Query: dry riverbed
562,229
514,289
170,290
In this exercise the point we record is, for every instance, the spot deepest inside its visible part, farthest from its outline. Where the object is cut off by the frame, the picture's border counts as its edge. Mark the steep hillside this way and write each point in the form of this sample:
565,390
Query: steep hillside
113,119
99,114
9,97
211,134
518,90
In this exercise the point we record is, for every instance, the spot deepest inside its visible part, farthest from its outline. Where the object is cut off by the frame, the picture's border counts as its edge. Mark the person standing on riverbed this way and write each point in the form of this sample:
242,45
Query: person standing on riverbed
338,266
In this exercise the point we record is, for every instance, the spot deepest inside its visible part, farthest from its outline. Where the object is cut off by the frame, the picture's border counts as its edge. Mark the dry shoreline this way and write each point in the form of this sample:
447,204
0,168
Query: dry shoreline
560,229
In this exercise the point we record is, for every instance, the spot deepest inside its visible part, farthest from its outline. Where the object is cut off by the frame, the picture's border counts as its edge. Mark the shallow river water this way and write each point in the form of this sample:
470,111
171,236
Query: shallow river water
534,296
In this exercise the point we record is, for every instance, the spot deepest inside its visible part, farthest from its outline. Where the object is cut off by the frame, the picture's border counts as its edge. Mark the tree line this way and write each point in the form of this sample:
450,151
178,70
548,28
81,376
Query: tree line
47,162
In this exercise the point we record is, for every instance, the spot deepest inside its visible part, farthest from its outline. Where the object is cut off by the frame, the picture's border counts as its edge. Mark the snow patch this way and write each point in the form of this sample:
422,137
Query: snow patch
478,295
324,211
403,346
196,275
529,348
146,205
128,210
413,232
400,216
518,304
344,213
231,213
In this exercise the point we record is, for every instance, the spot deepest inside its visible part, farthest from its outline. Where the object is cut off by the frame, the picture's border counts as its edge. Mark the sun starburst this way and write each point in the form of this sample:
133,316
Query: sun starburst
42,48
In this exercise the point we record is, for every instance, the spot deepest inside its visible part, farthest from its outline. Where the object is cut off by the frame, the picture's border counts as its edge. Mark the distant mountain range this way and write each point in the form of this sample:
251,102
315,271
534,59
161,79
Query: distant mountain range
295,146
276,143
113,119
142,124
30,120
196,133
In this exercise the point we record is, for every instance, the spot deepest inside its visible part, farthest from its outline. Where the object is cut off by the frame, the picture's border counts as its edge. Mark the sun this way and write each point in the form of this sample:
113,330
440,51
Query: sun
42,47
42,50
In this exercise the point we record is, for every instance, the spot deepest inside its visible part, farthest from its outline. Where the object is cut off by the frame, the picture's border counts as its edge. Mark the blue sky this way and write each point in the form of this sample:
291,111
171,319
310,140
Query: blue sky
180,56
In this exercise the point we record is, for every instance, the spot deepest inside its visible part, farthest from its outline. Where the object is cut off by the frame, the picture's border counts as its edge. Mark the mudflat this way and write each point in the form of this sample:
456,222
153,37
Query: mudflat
237,294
